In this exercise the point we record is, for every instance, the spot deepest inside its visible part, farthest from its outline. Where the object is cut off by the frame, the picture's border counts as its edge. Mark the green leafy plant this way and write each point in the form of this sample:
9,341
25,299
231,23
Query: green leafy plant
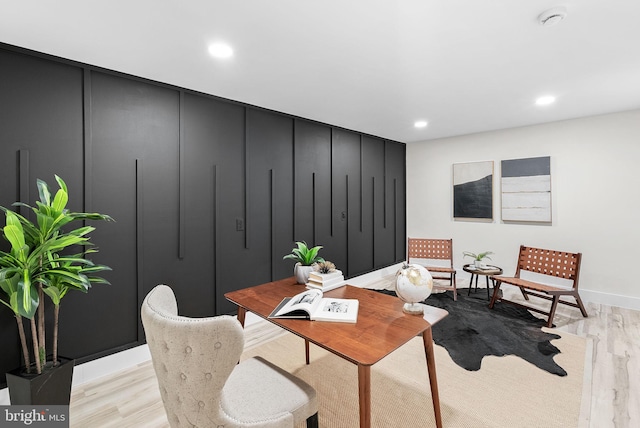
304,255
479,256
36,264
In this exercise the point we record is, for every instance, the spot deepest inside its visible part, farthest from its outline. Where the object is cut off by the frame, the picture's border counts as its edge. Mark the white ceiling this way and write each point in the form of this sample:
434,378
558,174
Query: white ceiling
374,66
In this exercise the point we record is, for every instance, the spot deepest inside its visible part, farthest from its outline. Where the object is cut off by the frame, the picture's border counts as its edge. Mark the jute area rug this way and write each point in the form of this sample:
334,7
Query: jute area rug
506,392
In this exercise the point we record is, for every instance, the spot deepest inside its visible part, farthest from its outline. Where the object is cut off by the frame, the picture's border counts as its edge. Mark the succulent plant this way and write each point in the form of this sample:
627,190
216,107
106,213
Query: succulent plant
304,255
479,256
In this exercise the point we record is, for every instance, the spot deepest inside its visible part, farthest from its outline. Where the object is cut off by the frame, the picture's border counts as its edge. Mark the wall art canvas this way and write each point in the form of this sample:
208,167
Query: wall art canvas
473,190
526,189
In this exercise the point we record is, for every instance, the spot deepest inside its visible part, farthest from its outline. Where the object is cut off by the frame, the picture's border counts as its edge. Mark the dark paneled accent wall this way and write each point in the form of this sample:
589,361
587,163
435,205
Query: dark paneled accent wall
208,194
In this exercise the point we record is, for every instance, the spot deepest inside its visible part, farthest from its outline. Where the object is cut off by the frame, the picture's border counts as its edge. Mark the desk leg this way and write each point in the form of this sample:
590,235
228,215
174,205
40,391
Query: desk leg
241,314
364,394
427,338
306,350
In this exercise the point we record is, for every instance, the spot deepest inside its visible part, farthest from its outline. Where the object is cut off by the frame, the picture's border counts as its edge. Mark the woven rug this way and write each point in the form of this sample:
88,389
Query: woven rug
507,392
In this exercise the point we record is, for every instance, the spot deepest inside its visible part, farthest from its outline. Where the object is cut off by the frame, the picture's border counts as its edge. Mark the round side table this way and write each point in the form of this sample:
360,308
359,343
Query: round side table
488,272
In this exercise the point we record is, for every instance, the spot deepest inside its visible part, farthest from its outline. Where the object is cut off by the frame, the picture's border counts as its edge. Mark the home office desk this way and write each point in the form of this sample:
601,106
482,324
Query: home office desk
381,328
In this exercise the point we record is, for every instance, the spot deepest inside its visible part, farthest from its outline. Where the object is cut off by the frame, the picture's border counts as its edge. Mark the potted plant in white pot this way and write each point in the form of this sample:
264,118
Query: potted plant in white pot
478,259
38,263
304,257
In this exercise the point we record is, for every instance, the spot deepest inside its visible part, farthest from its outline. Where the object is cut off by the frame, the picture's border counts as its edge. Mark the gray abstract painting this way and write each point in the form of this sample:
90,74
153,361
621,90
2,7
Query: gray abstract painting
526,189
473,190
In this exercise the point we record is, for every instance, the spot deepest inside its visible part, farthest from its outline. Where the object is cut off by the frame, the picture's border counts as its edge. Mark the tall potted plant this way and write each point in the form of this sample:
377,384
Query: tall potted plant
304,257
38,263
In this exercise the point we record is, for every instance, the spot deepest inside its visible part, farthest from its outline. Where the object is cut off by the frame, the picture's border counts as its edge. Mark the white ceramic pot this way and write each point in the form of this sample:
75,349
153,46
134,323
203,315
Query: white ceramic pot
302,273
480,264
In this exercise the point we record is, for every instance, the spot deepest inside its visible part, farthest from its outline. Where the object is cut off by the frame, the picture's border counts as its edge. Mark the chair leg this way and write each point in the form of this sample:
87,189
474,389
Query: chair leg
581,306
312,421
552,312
496,290
453,283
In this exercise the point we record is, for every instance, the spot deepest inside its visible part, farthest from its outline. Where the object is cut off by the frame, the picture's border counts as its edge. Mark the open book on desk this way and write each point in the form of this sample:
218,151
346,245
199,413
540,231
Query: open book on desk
312,306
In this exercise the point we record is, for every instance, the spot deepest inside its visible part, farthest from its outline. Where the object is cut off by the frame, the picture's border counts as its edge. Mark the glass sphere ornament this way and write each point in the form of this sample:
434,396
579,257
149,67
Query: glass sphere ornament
413,284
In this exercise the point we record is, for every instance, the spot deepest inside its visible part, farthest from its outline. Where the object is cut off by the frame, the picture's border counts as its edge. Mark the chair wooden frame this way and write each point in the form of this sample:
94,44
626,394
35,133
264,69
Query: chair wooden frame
435,249
557,264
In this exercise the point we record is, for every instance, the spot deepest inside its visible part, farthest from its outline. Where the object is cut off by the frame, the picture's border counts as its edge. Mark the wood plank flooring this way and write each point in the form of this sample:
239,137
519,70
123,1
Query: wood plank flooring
130,398
614,400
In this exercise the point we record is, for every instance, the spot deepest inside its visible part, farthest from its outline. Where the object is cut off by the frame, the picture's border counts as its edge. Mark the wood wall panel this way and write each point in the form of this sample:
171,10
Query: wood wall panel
207,194
395,206
41,113
214,186
389,201
270,210
373,201
135,170
313,184
40,135
346,200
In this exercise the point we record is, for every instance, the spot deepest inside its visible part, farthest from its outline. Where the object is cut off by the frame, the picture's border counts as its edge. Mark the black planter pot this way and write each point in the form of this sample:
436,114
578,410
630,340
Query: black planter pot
51,387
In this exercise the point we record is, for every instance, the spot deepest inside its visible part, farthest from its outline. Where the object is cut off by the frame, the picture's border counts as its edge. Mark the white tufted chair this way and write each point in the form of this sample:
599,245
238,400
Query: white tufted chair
201,382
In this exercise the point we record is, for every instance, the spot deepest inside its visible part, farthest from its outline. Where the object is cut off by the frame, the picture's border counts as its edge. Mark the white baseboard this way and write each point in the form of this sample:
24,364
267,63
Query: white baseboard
610,299
95,369
370,277
599,297
92,370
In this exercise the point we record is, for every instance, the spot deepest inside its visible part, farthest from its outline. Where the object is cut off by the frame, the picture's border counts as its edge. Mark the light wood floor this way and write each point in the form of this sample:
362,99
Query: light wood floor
615,363
131,399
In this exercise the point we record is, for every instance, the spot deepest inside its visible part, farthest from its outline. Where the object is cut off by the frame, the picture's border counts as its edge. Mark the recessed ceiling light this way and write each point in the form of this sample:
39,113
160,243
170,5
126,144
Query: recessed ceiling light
220,50
421,124
545,100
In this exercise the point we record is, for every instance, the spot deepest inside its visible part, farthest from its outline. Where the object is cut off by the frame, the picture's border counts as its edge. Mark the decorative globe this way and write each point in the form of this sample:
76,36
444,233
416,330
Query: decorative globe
413,285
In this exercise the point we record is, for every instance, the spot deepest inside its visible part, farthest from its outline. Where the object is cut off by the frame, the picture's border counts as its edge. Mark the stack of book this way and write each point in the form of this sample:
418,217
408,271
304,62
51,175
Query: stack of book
325,281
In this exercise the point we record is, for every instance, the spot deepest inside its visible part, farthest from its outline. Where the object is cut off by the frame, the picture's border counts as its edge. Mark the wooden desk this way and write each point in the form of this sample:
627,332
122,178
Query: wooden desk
381,328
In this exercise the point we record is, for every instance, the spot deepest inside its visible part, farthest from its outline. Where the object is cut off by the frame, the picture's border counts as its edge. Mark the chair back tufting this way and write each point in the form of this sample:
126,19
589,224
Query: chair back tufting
192,358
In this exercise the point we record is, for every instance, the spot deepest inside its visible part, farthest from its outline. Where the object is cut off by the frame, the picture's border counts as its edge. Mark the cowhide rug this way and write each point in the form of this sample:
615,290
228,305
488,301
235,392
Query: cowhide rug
473,331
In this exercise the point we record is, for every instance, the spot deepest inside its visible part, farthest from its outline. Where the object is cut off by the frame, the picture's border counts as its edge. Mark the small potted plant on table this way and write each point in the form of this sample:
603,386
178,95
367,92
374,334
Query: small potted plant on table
304,257
478,259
